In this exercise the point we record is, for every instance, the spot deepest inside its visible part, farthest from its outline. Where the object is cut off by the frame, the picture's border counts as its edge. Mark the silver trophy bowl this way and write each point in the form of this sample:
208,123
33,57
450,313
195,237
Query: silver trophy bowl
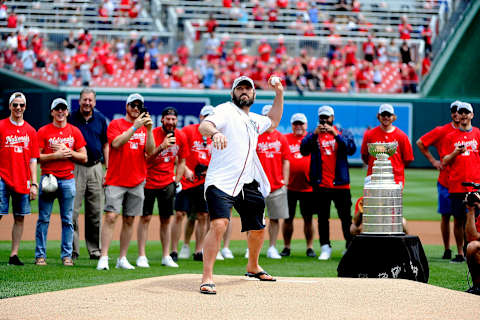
382,197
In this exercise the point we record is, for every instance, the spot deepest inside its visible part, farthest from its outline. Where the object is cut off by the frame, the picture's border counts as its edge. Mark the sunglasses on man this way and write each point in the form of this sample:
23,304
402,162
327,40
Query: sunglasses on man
21,105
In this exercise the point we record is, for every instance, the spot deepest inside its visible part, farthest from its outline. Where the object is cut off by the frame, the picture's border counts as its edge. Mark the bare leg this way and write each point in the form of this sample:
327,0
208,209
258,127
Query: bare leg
308,231
445,229
201,231
142,234
126,234
189,228
287,230
211,246
108,226
176,229
273,228
17,231
473,261
255,243
165,234
227,235
458,231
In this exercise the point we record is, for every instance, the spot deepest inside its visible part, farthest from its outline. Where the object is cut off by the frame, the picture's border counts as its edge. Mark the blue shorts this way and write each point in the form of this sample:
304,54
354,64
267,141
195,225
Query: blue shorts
20,202
444,201
249,204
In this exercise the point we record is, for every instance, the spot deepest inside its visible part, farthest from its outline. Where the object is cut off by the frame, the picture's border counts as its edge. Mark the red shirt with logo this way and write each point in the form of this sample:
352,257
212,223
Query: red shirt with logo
299,165
127,166
48,137
200,153
328,149
18,144
436,138
272,149
161,167
404,154
465,167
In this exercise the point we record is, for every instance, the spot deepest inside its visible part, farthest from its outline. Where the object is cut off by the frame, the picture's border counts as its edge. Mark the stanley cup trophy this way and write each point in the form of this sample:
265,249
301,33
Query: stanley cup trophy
382,250
382,197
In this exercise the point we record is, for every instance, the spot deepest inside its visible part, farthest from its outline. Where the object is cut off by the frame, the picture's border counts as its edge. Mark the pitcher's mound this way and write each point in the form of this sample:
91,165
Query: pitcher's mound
178,297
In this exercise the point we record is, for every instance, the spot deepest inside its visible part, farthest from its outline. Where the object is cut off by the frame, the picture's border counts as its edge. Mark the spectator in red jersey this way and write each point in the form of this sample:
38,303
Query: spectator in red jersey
404,28
21,44
387,132
412,77
309,29
427,38
131,141
273,152
426,64
61,145
227,3
356,6
85,37
299,188
264,50
211,24
350,53
464,159
472,230
272,15
18,169
12,20
165,168
282,4
134,10
37,43
183,54
280,51
329,176
302,5
258,12
436,138
9,58
369,49
363,77
64,76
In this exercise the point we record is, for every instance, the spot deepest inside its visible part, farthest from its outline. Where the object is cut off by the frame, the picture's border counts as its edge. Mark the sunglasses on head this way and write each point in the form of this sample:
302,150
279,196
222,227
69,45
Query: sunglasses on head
386,114
21,105
463,111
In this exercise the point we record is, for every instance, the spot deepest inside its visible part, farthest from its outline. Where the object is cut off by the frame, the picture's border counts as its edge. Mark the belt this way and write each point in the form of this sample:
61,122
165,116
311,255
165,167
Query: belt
91,164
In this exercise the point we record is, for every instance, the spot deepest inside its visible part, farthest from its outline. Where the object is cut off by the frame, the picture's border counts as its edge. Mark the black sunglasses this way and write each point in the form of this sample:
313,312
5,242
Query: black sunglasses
386,114
60,107
21,105
136,105
453,109
463,111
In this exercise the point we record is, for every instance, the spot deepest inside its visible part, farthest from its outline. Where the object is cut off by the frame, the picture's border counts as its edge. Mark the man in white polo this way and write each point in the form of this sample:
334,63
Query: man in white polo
235,177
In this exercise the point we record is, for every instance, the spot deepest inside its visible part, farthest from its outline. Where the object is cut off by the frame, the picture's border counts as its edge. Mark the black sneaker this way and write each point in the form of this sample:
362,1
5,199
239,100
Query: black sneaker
75,256
174,256
458,259
311,253
198,256
447,254
95,255
285,252
474,290
15,261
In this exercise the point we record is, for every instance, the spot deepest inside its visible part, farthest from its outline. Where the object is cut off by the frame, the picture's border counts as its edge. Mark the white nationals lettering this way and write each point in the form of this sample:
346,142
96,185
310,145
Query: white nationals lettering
328,146
470,146
273,146
295,150
68,141
139,136
13,141
201,146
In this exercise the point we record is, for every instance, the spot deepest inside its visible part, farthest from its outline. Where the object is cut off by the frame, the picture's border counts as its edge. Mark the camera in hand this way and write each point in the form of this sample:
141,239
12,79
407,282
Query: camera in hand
472,198
170,133
322,121
143,109
200,170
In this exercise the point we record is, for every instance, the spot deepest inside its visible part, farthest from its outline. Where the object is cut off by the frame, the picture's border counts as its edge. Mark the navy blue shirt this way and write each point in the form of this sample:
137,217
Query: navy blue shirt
94,131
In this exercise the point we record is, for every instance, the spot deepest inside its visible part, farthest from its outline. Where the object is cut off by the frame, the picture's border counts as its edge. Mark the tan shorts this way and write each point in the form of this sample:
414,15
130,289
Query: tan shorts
277,204
128,201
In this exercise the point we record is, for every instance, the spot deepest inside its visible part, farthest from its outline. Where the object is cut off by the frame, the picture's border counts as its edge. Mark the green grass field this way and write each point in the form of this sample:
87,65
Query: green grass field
419,204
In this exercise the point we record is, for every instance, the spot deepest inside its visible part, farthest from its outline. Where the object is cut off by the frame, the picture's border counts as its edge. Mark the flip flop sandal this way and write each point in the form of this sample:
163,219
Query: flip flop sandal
259,276
204,286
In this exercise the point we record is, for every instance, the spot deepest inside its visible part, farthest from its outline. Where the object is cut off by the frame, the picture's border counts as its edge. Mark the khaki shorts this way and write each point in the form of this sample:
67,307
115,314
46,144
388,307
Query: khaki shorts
277,204
128,201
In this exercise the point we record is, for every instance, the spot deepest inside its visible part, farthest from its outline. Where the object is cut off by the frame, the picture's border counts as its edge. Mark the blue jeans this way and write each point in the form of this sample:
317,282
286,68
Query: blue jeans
65,195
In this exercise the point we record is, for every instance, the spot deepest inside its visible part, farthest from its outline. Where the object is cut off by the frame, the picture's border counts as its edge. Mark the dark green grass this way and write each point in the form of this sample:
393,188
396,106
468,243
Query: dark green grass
30,279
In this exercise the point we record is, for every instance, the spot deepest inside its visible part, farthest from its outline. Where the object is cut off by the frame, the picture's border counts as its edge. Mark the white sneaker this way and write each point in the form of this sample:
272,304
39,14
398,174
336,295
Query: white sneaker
122,263
184,252
103,263
326,252
272,253
142,262
246,254
167,261
227,253
219,256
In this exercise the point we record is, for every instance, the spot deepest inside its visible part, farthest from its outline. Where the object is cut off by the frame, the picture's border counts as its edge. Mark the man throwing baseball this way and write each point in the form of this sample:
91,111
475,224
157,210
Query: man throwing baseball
235,177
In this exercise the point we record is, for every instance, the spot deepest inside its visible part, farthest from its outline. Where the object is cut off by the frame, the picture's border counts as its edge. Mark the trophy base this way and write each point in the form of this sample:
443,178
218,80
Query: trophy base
385,256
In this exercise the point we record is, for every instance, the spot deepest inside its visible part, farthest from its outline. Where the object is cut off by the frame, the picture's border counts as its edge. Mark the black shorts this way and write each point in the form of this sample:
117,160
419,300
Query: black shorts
164,198
307,203
249,204
191,201
459,209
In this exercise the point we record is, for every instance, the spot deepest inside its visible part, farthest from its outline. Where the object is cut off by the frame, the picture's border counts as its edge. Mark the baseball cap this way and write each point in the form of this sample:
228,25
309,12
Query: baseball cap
134,97
266,109
465,106
240,80
325,111
17,95
455,104
206,110
169,111
57,102
298,117
386,108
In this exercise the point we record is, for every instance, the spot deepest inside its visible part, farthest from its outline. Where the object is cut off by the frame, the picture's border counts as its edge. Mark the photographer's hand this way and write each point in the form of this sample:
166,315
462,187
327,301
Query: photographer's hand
168,141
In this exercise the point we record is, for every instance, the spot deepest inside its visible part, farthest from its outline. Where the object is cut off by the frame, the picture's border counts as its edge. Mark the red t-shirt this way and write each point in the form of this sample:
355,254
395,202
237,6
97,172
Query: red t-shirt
404,30
264,50
161,167
272,149
49,136
200,153
18,144
328,149
299,165
127,166
404,154
465,167
436,138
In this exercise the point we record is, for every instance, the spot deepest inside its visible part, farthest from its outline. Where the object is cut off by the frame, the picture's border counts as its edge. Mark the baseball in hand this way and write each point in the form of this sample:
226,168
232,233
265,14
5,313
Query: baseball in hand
274,80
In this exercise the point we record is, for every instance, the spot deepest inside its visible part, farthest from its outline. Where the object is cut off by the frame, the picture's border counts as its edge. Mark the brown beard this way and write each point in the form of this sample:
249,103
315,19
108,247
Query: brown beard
242,103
